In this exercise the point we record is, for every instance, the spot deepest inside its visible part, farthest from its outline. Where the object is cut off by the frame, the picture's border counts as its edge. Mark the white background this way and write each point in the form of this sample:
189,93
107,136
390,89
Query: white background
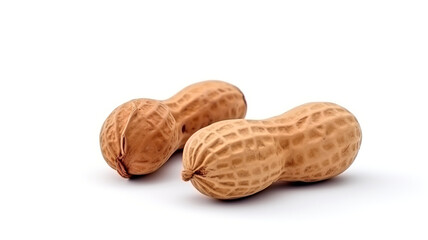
64,66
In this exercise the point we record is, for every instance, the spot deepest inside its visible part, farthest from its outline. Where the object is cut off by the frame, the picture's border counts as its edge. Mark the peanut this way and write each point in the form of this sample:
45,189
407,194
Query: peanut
237,158
139,136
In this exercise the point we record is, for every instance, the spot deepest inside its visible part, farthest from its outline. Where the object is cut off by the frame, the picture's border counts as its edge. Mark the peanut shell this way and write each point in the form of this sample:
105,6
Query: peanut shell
139,136
237,158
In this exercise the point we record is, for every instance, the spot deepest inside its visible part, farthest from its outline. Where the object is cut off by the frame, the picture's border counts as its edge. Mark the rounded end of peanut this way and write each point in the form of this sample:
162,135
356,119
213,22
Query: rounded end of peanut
243,98
186,175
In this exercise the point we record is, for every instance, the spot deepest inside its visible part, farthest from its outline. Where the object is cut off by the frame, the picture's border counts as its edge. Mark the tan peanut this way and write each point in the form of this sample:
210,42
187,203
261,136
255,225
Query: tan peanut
236,158
139,136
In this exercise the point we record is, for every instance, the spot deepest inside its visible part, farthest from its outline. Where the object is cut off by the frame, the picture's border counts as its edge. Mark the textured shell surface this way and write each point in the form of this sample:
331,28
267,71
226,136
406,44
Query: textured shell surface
237,158
133,137
139,136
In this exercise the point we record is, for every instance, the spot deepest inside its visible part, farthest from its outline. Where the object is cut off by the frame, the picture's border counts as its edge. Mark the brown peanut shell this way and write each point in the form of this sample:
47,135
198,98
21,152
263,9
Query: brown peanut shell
139,136
237,158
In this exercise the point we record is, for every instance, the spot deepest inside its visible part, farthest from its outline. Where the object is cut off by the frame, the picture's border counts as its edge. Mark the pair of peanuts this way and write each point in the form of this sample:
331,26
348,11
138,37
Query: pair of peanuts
225,156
